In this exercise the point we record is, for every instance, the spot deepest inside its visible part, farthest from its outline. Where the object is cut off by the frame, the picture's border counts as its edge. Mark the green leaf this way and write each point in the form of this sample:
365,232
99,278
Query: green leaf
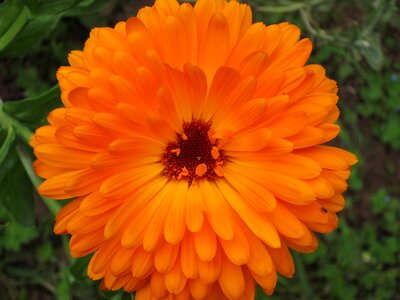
126,296
63,289
8,163
14,235
31,34
78,268
9,11
45,252
371,49
29,80
5,147
13,16
33,111
87,7
391,132
378,201
16,195
54,6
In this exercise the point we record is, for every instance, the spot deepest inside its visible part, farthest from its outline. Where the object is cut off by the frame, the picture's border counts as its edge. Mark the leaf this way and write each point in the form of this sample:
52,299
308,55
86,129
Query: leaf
45,252
78,268
126,296
9,11
14,235
8,163
391,131
16,195
29,80
87,7
371,49
34,31
5,147
33,111
378,201
13,16
55,6
63,289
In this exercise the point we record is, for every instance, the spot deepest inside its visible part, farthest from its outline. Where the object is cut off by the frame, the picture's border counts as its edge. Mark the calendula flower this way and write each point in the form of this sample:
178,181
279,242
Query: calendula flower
191,142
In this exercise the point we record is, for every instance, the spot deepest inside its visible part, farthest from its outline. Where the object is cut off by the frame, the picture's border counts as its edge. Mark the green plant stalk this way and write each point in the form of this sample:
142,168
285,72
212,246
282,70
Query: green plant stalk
287,8
308,292
16,27
22,131
371,25
26,161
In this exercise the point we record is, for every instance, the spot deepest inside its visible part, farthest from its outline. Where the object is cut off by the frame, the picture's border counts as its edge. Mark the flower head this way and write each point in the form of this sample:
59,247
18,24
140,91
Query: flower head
191,142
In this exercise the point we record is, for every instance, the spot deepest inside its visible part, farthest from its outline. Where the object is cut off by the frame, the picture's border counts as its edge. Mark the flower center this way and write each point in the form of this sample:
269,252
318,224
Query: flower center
195,155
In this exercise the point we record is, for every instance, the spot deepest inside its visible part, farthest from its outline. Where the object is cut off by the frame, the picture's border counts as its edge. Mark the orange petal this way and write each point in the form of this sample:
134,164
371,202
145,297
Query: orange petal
231,279
209,271
175,280
253,141
258,224
165,257
63,157
214,203
238,249
142,263
54,186
194,209
205,242
174,227
122,260
188,257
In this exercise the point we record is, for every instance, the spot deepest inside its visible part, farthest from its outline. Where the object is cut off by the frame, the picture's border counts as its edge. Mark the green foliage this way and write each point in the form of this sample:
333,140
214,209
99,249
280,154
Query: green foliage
358,43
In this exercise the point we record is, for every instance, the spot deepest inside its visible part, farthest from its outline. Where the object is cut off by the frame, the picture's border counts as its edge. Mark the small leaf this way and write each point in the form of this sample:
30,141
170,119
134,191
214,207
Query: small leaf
5,146
63,289
371,49
78,268
33,111
45,252
126,296
14,235
391,132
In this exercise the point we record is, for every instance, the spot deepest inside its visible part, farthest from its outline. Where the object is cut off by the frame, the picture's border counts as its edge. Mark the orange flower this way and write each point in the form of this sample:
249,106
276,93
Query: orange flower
191,142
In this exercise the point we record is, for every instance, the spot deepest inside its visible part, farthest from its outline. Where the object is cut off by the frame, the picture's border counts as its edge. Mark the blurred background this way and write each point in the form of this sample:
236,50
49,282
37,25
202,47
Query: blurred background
358,41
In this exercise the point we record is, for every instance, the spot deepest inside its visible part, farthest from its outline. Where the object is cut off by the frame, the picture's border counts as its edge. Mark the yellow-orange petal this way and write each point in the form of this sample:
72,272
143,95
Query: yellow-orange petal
54,186
174,227
165,257
231,279
205,242
260,226
63,157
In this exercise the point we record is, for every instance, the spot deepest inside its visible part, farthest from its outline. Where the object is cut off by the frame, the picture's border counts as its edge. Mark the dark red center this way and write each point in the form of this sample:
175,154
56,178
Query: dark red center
193,148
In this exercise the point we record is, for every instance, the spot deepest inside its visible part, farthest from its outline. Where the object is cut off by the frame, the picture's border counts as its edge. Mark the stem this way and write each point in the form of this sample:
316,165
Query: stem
287,8
374,21
308,292
15,28
22,131
27,161
318,32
